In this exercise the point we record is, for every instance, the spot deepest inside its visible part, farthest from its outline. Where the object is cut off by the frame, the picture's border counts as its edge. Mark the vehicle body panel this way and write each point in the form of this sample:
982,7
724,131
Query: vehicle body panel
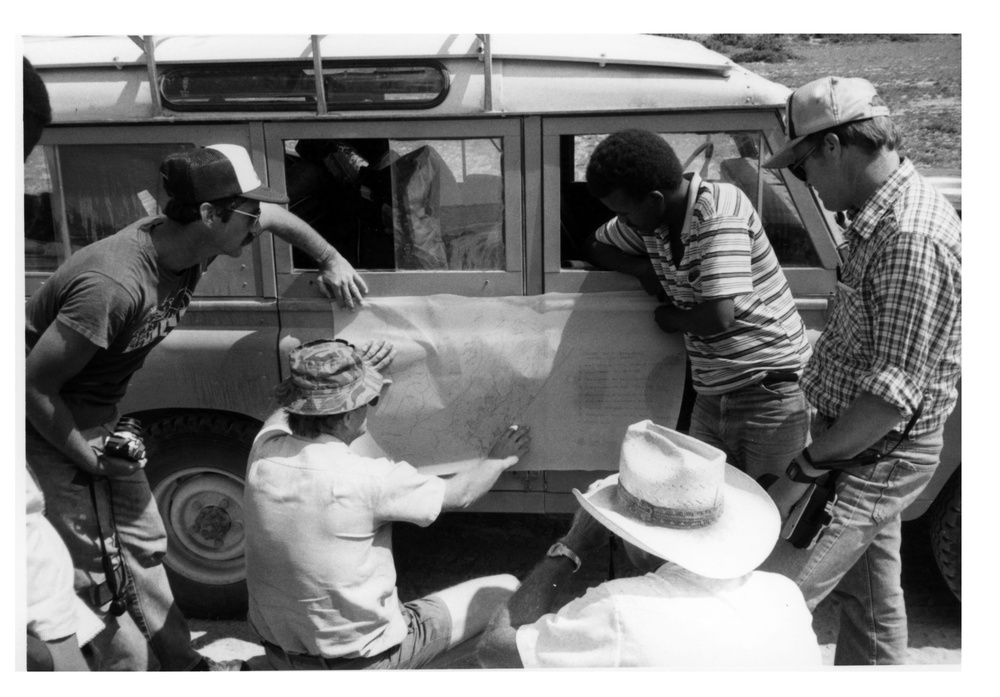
538,101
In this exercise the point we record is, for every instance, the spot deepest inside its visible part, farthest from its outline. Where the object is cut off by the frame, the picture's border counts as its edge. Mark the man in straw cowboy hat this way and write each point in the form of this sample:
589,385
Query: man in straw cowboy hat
884,372
698,527
320,569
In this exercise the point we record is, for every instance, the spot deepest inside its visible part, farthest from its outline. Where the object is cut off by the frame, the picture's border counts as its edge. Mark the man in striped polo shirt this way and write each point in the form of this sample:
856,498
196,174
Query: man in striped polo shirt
700,247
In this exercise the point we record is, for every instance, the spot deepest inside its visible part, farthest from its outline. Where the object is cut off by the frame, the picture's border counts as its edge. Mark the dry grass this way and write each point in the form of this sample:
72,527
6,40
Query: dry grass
920,80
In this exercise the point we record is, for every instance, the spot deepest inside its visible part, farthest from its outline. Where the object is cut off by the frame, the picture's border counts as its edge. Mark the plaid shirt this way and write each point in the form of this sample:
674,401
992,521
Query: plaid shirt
896,325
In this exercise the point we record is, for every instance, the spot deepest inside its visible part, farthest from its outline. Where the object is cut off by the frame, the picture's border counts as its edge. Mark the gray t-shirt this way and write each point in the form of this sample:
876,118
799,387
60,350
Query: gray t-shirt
115,294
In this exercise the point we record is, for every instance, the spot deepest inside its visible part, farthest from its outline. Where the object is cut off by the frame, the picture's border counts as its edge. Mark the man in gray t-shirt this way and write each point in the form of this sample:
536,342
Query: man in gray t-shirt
88,329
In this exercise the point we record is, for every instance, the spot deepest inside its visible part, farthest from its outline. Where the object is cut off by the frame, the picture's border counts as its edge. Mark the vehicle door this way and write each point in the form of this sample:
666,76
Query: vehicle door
723,146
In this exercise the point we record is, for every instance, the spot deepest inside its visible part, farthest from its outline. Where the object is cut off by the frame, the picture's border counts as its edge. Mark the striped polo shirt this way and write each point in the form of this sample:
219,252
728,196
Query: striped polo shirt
726,255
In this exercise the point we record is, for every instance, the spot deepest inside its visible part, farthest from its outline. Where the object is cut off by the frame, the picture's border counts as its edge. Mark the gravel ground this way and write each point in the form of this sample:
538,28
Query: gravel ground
461,546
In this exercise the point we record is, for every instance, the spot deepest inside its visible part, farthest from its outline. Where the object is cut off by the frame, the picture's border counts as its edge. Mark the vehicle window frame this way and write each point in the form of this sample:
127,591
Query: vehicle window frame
226,277
803,281
305,106
297,283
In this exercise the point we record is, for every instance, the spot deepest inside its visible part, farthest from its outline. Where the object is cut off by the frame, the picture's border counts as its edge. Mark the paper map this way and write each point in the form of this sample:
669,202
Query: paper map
576,368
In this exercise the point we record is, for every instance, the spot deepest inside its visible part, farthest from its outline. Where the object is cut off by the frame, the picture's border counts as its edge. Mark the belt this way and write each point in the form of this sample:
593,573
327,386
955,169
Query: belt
308,660
779,377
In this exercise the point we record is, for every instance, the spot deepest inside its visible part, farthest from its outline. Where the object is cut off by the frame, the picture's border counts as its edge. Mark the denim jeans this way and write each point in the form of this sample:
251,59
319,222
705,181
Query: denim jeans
761,428
857,557
125,504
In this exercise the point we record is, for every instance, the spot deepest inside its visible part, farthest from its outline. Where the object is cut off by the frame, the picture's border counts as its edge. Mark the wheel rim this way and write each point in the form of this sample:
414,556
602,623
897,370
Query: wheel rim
202,509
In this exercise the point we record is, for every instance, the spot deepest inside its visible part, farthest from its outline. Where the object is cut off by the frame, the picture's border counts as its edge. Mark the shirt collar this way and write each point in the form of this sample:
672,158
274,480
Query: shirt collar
672,570
692,198
321,438
864,223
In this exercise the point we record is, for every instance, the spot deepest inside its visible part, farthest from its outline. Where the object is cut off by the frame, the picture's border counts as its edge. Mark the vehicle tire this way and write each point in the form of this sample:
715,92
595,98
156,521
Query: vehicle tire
196,465
946,533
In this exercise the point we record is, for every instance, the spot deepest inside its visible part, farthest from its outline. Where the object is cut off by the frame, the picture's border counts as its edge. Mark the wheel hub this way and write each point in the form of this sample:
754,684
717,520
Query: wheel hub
203,511
212,524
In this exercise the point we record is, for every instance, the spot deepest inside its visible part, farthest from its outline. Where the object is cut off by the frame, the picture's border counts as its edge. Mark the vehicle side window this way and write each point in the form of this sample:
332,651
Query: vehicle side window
730,157
414,205
78,194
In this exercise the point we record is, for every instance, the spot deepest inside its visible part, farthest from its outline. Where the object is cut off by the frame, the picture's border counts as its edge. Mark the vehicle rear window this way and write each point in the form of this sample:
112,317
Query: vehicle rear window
284,87
405,205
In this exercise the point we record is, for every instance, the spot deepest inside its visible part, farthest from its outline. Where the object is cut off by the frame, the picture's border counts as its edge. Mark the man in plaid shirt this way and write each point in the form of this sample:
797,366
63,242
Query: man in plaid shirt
891,350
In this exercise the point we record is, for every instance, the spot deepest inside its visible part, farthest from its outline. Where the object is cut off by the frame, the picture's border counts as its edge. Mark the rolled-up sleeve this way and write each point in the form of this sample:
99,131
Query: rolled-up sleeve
617,234
916,293
409,496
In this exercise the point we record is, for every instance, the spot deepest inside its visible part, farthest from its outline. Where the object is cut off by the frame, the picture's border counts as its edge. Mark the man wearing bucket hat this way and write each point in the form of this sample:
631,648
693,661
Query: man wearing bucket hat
883,374
88,329
320,569
698,527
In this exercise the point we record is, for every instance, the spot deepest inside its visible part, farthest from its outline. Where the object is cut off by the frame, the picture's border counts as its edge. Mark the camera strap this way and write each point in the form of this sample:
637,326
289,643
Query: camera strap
119,600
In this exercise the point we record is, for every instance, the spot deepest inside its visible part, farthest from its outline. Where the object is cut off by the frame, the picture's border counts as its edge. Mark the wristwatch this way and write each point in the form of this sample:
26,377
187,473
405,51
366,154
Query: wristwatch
561,550
795,473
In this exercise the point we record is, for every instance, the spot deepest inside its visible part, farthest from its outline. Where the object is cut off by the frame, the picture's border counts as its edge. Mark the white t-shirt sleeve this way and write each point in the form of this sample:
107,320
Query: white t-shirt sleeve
585,633
54,611
409,496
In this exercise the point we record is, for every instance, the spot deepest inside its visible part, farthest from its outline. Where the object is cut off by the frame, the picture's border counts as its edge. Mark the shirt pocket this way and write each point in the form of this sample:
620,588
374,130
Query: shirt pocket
847,318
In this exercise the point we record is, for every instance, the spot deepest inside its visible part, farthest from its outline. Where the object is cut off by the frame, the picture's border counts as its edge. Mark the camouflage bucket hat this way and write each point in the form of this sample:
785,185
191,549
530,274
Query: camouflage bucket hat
328,377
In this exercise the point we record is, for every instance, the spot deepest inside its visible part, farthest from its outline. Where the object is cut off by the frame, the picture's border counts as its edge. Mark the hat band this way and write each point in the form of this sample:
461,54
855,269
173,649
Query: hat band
670,517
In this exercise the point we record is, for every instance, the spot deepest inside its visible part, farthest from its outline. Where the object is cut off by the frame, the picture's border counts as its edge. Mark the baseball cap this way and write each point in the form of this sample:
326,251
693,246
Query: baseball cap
823,104
212,173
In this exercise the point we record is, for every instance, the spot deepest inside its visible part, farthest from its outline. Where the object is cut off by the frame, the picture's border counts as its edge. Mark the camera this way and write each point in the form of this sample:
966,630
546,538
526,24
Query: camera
810,516
126,441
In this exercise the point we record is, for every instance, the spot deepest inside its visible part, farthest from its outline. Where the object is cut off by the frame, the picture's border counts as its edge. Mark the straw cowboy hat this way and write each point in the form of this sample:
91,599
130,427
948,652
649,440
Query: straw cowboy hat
676,498
328,376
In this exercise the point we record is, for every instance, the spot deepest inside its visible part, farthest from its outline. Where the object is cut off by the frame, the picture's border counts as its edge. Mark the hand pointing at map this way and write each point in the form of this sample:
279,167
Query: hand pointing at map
512,445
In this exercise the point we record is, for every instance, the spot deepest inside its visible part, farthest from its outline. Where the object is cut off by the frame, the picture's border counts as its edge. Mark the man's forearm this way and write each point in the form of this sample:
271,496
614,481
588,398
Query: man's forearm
704,319
297,232
611,258
538,592
865,421
466,487
534,598
53,420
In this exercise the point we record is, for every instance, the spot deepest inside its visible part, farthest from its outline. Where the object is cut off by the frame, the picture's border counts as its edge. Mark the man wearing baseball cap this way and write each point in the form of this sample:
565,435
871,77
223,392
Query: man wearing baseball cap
88,329
697,528
320,570
888,359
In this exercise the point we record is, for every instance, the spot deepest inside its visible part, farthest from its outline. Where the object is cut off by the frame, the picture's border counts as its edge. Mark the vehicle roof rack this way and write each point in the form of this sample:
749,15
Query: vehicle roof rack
147,45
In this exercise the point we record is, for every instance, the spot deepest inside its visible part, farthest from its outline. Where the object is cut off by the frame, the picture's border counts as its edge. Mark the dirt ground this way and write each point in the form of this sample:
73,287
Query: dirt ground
462,546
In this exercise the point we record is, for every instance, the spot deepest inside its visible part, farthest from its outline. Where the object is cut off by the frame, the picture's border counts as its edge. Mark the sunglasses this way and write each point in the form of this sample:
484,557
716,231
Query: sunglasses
796,167
255,216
